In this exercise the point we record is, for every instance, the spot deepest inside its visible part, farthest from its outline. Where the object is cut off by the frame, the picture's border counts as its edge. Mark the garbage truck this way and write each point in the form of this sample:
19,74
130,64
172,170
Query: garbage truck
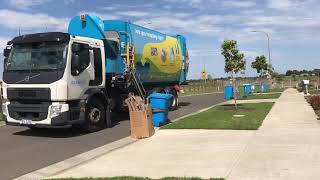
58,79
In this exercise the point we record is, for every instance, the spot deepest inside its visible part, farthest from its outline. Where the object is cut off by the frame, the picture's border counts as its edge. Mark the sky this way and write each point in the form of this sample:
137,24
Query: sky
293,26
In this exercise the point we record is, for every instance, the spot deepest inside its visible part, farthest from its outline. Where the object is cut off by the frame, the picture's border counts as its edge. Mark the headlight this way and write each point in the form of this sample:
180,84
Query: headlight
55,110
4,109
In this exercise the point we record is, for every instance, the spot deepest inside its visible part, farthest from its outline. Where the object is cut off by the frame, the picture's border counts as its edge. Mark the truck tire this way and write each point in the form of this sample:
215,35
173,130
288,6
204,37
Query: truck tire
175,100
95,116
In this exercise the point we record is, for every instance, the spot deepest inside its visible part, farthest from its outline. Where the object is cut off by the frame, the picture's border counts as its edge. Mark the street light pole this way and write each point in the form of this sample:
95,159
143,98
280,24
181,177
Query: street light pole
268,43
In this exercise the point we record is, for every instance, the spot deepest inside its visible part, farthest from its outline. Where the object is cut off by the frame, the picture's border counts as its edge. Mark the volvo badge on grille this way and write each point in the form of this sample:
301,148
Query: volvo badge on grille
27,78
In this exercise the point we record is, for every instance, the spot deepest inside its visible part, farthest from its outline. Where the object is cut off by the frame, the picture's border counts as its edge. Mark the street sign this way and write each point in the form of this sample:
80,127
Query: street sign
203,75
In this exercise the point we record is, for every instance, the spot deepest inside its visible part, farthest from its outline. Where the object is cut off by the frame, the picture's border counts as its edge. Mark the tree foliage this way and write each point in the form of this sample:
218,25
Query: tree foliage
260,64
234,60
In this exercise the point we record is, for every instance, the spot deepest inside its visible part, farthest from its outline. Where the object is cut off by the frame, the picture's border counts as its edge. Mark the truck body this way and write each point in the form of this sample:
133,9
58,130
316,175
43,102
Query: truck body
78,78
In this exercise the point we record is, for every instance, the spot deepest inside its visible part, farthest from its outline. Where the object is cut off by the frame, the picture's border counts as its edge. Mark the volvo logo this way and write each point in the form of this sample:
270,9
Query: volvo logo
27,78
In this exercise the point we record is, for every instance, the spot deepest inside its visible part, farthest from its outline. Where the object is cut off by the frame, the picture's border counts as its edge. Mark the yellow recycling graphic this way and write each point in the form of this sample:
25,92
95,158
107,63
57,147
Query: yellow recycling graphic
166,56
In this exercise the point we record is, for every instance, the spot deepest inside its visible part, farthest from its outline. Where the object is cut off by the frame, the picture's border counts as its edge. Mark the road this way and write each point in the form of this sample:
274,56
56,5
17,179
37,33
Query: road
23,151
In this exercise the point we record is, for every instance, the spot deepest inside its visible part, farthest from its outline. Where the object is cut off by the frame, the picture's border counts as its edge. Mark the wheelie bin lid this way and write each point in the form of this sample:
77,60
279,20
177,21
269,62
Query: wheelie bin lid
160,96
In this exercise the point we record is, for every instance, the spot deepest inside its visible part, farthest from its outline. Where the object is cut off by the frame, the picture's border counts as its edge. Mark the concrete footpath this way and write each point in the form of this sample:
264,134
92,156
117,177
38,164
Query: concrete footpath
287,146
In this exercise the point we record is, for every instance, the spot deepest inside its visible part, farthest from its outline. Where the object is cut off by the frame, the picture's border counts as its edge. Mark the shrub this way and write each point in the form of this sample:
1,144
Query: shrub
315,102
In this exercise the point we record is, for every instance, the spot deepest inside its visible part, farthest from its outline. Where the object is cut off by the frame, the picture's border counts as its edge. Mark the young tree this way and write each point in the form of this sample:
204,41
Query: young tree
260,64
234,62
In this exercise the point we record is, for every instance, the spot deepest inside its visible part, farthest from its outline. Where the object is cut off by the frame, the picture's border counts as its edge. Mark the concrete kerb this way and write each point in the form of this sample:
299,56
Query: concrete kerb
250,101
200,94
2,123
267,93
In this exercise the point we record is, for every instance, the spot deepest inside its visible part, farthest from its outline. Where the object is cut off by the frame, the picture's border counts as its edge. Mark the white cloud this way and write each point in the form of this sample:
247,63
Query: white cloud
250,55
238,4
287,4
104,16
109,8
192,3
26,4
3,43
134,13
31,22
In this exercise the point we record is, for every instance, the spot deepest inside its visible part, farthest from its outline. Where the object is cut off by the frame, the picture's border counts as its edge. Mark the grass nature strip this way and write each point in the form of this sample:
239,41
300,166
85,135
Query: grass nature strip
250,117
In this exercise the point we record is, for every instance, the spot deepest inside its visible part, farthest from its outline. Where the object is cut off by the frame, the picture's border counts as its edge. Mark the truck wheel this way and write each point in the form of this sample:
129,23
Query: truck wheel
175,100
95,116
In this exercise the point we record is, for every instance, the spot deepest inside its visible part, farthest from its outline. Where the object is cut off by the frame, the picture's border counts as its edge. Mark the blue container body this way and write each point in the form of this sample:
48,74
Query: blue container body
228,92
159,118
160,101
150,68
247,88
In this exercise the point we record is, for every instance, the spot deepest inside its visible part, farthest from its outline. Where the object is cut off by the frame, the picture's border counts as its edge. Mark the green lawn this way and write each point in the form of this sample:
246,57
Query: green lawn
198,92
314,92
262,96
138,178
222,117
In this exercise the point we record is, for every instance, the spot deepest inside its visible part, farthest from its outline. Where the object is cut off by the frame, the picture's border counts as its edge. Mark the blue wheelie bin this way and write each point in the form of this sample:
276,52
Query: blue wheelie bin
266,87
228,92
160,104
247,88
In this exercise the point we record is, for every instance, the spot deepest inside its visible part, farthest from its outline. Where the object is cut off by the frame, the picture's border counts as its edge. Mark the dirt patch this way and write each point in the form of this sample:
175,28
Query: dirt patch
231,107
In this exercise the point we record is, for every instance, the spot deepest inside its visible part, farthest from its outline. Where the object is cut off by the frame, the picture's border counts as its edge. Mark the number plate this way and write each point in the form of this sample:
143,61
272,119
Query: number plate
26,122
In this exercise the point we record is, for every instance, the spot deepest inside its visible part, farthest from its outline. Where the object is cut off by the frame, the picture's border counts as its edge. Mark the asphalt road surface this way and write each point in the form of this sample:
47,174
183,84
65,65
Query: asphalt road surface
23,151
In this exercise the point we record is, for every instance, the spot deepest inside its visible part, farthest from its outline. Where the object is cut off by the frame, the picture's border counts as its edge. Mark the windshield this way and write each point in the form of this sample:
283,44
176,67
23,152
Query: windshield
37,56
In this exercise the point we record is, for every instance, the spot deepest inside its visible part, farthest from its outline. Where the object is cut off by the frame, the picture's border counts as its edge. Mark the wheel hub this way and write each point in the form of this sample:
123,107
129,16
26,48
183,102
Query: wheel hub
94,115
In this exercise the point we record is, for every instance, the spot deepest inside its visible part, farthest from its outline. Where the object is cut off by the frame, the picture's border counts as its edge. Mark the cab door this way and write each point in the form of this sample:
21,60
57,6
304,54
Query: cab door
81,70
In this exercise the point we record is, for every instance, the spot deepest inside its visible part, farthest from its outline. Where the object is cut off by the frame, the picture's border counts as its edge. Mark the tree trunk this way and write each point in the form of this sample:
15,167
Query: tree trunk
261,74
235,90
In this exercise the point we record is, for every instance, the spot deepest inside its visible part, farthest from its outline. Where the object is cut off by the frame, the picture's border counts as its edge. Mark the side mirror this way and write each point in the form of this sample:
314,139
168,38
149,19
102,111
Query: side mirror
6,52
75,63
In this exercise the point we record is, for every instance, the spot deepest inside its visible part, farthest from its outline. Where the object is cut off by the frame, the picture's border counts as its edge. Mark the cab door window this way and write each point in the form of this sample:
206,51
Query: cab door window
97,68
80,58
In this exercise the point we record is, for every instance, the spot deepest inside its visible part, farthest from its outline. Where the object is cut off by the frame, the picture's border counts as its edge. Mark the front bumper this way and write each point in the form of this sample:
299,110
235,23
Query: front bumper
58,120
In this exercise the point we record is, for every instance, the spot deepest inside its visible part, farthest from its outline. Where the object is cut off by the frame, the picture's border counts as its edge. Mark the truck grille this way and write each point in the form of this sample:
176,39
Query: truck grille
35,112
29,94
